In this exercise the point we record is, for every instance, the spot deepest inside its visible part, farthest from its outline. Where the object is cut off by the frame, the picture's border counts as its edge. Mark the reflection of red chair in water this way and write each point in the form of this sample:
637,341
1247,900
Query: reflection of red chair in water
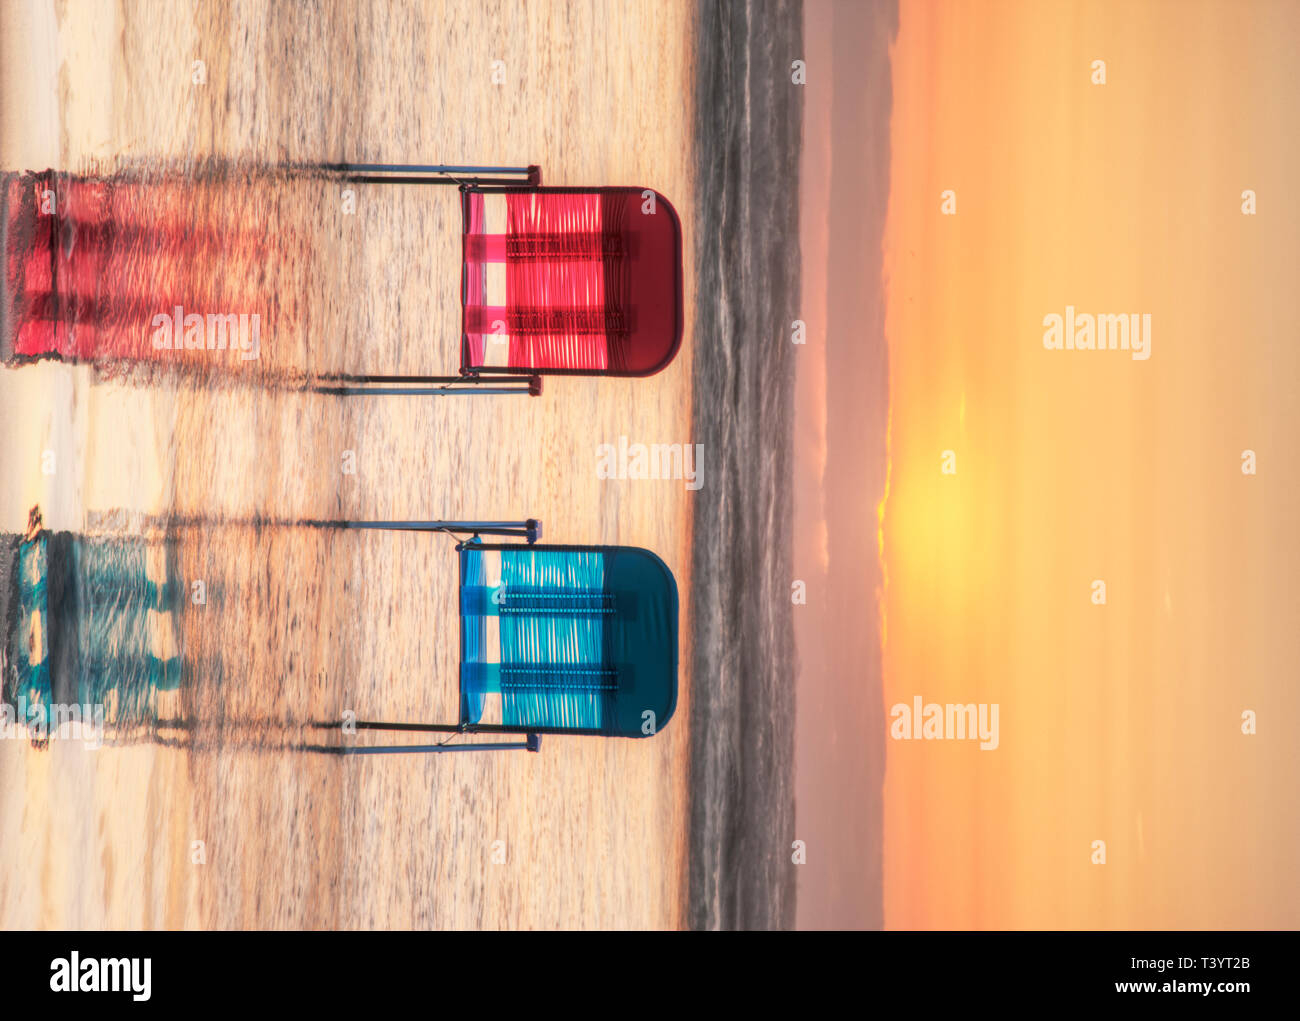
93,265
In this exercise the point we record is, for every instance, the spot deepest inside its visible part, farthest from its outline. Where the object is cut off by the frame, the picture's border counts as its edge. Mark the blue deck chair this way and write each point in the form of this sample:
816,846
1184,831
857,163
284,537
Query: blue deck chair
591,278
553,639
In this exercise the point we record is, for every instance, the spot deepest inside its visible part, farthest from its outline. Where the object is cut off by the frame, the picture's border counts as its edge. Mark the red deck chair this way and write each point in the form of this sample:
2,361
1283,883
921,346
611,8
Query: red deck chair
554,281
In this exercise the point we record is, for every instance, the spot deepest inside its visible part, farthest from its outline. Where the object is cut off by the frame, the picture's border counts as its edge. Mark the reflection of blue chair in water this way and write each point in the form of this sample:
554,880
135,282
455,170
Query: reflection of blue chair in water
105,628
126,638
554,640
27,677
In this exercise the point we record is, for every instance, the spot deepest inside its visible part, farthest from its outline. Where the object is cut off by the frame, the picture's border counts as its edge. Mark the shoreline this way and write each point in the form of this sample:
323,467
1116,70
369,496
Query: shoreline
742,734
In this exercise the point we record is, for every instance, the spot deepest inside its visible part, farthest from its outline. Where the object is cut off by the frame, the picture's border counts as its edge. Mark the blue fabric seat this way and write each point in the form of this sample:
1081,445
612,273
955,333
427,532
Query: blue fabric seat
568,639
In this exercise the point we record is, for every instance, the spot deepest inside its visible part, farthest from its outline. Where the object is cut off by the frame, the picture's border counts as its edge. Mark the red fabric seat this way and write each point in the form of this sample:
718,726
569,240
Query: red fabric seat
593,281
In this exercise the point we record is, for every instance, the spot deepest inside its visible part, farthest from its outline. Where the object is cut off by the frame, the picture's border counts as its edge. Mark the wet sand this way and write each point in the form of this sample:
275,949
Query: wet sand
300,625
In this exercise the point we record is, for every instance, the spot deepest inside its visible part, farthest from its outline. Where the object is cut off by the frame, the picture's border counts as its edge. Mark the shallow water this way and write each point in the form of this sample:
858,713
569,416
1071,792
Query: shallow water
742,768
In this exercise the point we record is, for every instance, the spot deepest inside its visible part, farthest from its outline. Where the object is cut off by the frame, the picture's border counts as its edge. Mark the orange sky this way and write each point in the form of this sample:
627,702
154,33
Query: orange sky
1119,722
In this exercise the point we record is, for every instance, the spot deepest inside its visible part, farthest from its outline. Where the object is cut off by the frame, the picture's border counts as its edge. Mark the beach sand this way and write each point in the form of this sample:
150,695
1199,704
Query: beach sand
301,626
